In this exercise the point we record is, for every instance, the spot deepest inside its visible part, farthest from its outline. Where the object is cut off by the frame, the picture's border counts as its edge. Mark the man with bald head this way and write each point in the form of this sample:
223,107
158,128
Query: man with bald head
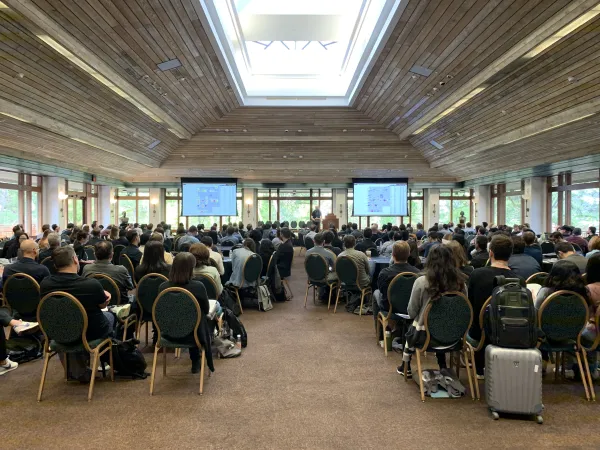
27,263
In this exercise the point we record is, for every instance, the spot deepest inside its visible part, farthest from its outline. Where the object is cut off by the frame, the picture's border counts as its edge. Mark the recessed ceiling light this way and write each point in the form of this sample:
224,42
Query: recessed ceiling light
286,131
362,129
168,65
405,156
244,130
284,156
299,131
183,156
300,156
344,130
153,144
372,129
226,130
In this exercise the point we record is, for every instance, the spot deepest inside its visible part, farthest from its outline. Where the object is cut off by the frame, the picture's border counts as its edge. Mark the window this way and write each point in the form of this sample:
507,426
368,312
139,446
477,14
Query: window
584,208
513,210
20,202
444,216
9,211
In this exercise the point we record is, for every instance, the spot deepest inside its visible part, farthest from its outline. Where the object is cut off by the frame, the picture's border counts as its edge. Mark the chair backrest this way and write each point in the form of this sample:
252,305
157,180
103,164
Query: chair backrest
209,285
49,264
378,242
185,247
563,315
302,224
316,267
547,247
576,247
126,262
147,291
22,294
90,252
176,314
62,318
252,268
117,253
399,291
294,224
270,267
538,278
347,271
447,319
308,242
109,285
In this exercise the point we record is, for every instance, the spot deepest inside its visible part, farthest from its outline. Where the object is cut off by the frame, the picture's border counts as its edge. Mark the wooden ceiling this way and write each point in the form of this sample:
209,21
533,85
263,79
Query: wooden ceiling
102,104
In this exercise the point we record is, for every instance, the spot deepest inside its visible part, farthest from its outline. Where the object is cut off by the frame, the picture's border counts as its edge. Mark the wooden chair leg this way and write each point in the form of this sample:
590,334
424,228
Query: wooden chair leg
362,299
153,374
384,327
589,375
466,353
94,370
562,365
164,361
66,366
419,374
556,367
583,380
306,296
112,366
239,301
203,363
331,288
474,370
337,298
146,334
44,372
314,295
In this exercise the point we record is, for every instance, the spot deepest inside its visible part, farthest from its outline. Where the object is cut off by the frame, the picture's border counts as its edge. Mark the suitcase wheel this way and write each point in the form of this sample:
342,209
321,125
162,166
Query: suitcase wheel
495,415
539,419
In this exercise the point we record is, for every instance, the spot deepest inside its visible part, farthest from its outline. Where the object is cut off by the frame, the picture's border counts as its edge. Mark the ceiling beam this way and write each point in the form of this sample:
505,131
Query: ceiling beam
544,125
556,22
30,11
42,121
375,137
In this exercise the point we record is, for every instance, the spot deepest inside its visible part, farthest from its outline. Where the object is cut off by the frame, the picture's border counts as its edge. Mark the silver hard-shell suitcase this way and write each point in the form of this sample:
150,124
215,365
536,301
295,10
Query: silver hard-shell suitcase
513,381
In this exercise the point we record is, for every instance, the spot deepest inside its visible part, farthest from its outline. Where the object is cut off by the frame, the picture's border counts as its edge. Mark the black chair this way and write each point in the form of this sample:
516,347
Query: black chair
22,295
347,273
90,252
117,253
126,262
577,248
63,321
317,270
251,274
176,315
302,224
146,293
538,278
547,247
294,224
49,263
308,242
398,295
209,285
110,286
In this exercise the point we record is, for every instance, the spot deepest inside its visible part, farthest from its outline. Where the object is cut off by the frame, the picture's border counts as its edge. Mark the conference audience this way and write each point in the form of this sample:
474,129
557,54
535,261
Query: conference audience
27,264
564,275
103,265
79,245
531,247
181,275
328,242
359,258
593,247
367,243
520,263
132,250
206,266
441,275
12,247
53,244
158,237
574,237
285,254
189,239
215,256
265,251
460,257
238,260
153,261
565,251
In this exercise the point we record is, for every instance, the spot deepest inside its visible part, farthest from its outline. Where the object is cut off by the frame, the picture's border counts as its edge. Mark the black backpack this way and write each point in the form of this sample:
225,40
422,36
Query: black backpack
228,299
128,360
512,316
25,348
236,327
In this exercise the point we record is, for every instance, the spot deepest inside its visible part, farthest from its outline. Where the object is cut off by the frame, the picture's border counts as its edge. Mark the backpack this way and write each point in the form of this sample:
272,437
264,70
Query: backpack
228,300
128,360
264,298
236,326
22,349
512,317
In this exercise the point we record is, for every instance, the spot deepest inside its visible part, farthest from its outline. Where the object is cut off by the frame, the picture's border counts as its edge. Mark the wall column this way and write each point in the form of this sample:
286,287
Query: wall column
482,199
103,213
51,204
156,206
340,205
431,207
249,211
535,198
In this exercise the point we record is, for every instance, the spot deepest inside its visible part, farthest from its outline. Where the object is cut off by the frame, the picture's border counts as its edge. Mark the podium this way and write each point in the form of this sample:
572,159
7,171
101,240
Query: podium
330,219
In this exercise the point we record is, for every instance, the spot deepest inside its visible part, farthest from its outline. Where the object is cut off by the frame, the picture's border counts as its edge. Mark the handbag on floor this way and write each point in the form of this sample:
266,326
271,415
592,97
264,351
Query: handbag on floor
264,298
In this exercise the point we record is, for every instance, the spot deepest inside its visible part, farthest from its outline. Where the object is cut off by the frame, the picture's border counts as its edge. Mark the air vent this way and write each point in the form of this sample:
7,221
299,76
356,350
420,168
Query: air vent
419,70
153,144
436,145
414,108
168,65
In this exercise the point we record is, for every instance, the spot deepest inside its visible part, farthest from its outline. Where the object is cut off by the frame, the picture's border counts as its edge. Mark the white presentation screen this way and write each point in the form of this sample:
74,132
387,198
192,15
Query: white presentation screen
208,199
380,199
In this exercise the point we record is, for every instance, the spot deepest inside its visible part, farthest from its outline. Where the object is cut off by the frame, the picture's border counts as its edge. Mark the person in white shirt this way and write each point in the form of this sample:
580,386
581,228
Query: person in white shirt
215,256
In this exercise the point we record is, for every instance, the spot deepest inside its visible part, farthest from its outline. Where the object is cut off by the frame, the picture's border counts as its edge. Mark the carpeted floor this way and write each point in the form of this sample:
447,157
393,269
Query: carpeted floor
308,379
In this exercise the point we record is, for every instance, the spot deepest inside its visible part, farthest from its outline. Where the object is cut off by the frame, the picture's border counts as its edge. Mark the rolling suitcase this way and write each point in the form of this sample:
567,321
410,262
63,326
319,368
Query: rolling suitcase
513,381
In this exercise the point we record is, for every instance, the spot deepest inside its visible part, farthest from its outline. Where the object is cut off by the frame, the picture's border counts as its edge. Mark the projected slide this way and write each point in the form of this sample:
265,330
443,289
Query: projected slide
209,199
380,199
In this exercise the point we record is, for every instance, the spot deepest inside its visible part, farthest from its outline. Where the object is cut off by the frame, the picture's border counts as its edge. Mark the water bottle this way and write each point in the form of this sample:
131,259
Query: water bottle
238,341
388,340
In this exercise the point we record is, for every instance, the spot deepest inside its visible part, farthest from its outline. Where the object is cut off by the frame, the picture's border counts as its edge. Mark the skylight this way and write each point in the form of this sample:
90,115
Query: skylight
298,52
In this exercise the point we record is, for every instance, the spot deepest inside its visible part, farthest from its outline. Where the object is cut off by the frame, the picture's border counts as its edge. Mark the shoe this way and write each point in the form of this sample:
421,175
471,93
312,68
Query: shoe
28,327
8,366
196,366
480,377
400,370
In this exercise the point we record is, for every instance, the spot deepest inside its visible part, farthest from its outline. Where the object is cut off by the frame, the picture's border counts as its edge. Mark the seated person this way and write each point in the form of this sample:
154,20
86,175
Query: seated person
104,265
359,258
276,239
27,264
400,253
593,247
356,232
132,250
6,320
206,266
53,244
181,275
564,250
460,257
81,241
231,239
480,255
576,238
312,232
189,239
532,248
17,230
441,275
95,237
238,260
153,261
481,285
591,330
330,257
435,239
520,263
285,254
12,247
215,256
265,251
122,239
328,240
158,237
564,275
87,290
367,243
